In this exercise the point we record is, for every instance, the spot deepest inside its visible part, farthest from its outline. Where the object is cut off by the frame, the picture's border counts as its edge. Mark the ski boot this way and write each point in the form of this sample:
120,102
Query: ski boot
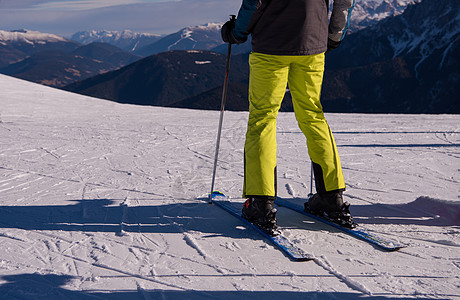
260,212
331,207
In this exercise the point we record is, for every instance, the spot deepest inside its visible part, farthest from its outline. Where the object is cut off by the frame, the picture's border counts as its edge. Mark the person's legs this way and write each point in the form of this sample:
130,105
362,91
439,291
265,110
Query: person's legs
267,86
305,81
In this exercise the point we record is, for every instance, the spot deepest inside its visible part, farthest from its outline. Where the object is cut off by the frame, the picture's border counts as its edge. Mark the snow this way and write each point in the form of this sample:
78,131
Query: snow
204,62
29,36
107,200
186,34
369,12
209,26
189,33
90,36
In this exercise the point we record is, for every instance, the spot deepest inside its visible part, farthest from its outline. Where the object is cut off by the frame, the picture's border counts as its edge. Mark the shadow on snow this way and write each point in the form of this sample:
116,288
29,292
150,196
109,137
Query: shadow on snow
423,211
101,215
52,286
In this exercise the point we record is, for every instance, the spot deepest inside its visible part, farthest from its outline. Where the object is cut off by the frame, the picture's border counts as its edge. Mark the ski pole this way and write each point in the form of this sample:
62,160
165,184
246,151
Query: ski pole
221,119
311,181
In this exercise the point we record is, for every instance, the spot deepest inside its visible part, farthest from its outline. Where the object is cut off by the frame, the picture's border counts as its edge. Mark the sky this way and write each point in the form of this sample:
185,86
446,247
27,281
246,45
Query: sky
65,17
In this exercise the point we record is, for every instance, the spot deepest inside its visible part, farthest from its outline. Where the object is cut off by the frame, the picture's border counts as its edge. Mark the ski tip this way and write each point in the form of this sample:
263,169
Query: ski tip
304,258
394,247
301,256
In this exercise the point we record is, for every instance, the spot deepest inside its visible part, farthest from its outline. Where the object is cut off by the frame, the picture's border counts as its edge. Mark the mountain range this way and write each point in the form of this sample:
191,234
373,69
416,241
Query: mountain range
126,39
17,45
207,37
163,79
63,62
401,56
370,12
407,63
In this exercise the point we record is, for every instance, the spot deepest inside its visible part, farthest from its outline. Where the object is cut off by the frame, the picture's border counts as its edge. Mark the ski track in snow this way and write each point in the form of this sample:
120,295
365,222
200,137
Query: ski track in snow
106,200
324,263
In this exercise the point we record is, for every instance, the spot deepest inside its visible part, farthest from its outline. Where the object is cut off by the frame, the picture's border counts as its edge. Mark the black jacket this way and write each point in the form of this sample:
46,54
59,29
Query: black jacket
292,27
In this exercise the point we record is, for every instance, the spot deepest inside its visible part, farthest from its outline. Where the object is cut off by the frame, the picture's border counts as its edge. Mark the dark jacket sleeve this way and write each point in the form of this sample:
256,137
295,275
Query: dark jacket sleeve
340,19
244,17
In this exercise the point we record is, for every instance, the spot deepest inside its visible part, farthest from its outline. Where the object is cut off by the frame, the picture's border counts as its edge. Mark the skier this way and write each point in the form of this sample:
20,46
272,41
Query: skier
289,42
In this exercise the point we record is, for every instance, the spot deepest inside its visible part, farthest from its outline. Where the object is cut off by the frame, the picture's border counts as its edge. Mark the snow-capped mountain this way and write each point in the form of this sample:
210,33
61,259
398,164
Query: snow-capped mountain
18,44
56,61
422,30
365,13
204,37
405,63
408,59
207,37
29,37
369,12
126,39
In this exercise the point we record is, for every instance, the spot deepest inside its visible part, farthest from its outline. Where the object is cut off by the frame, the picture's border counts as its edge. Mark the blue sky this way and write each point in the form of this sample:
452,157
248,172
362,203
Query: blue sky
65,17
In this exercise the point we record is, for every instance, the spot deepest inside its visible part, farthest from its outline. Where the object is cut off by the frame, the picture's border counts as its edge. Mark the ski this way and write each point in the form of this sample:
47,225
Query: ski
280,241
358,232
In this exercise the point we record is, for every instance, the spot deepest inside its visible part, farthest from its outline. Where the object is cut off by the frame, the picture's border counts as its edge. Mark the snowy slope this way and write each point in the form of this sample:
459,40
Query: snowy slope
100,199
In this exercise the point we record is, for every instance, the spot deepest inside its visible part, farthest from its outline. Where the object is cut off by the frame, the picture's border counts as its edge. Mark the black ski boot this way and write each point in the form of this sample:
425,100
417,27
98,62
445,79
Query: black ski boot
260,212
332,207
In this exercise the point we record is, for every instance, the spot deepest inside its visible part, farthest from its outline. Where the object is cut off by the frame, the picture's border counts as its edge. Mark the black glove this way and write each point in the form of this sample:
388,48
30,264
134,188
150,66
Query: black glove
227,33
331,45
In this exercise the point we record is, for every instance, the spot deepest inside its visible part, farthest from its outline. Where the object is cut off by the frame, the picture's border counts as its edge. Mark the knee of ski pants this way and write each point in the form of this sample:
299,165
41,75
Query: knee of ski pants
267,84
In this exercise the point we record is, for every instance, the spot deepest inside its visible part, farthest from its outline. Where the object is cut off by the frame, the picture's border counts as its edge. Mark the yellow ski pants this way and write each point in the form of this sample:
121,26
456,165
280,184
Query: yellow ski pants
269,75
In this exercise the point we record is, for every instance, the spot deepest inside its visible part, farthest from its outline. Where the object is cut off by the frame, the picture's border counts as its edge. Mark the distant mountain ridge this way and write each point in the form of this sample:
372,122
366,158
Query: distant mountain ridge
28,36
204,37
406,63
207,36
126,39
17,45
60,67
370,12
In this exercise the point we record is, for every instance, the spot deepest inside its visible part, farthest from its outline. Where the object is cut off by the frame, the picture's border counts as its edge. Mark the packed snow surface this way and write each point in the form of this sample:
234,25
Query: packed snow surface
101,200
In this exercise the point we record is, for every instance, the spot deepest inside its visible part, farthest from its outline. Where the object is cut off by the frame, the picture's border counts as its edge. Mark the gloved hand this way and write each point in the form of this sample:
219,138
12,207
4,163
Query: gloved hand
227,33
331,45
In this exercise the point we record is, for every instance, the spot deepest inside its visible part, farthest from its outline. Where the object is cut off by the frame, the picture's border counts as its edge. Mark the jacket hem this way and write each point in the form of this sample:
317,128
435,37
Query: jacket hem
290,53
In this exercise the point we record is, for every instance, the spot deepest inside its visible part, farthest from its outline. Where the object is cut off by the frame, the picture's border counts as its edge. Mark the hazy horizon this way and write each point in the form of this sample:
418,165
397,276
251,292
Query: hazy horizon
67,17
